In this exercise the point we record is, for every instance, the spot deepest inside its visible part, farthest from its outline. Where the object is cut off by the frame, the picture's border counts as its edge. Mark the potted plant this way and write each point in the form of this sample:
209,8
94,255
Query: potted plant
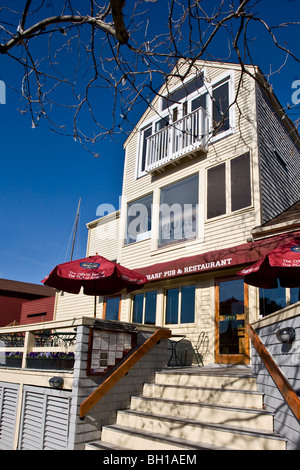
50,360
11,359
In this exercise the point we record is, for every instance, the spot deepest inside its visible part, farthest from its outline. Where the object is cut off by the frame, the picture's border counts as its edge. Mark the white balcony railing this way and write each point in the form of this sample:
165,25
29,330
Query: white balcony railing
181,138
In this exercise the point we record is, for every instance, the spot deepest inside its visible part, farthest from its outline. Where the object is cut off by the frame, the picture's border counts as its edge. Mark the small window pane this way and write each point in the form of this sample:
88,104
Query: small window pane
139,220
216,191
220,108
112,308
271,300
172,306
240,182
150,308
159,125
183,92
187,304
138,302
200,102
295,295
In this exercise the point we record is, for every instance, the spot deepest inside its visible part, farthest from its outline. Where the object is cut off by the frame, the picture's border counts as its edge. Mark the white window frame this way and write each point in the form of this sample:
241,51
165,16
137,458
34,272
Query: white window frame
220,80
144,306
144,235
175,242
179,287
139,172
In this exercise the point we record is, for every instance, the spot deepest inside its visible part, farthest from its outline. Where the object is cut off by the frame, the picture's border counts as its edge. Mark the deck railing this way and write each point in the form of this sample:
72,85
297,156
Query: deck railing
51,340
183,137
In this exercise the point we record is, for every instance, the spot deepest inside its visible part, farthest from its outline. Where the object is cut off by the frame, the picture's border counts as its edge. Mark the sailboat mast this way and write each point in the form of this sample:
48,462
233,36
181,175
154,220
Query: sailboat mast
75,229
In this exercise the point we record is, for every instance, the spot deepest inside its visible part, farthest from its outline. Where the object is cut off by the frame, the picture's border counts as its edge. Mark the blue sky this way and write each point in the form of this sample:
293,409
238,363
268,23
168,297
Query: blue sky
43,174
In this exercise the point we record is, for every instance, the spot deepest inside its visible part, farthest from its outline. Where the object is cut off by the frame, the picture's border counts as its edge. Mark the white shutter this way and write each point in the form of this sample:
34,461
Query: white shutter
33,421
8,409
56,423
45,419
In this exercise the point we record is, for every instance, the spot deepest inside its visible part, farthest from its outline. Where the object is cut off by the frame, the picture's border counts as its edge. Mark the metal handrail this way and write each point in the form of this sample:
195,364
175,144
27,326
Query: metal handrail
285,388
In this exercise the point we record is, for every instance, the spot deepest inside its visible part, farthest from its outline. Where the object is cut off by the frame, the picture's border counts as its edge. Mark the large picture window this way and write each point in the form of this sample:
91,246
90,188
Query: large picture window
180,305
139,220
179,211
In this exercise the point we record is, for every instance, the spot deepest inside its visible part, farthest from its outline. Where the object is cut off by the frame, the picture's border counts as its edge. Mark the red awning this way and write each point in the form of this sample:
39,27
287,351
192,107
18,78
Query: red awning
240,255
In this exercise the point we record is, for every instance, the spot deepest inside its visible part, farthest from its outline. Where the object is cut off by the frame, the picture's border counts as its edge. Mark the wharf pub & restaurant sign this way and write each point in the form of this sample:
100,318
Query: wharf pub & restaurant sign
188,269
238,255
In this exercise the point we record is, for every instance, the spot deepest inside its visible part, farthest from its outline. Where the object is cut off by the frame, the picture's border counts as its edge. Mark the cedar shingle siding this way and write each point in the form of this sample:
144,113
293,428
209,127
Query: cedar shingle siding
279,160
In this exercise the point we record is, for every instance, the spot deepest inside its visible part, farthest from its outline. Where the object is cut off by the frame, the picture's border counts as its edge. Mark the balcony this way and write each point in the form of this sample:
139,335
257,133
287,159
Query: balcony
186,136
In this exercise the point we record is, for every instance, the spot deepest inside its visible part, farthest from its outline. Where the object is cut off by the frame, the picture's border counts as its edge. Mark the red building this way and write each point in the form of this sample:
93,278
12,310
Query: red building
23,302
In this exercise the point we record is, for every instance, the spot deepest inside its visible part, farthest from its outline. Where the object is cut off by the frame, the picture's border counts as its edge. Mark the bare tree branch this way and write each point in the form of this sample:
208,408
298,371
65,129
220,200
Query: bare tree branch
123,51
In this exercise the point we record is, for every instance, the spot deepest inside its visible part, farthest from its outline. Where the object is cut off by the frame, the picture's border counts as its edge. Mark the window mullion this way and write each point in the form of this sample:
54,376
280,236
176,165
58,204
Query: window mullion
144,308
179,306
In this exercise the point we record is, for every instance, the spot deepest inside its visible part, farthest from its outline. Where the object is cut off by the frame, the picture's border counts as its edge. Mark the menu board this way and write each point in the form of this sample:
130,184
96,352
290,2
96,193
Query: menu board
107,348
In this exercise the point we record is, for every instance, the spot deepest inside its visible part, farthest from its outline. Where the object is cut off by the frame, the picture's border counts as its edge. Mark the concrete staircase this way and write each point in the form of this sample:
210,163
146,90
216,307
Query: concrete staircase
195,408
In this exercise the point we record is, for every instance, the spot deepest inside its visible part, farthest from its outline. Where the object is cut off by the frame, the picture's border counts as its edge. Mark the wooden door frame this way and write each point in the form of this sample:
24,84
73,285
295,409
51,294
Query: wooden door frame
105,303
231,358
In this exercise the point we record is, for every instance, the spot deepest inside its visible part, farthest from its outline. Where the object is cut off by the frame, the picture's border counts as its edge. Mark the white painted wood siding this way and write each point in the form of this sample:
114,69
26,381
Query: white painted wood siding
221,232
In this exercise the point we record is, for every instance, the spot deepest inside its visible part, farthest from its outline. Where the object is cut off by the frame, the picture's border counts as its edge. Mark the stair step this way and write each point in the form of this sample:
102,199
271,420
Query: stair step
100,445
139,439
203,378
207,408
246,418
241,398
232,437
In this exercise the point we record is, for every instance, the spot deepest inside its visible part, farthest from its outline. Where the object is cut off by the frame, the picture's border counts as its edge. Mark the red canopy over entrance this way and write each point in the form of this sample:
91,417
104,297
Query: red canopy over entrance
215,260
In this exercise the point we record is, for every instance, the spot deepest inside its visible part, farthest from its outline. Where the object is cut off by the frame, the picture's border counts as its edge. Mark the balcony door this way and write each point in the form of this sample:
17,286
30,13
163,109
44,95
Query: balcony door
231,343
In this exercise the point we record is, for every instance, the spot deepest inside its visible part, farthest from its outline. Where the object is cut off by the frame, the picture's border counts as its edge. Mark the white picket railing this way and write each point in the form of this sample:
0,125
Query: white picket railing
184,136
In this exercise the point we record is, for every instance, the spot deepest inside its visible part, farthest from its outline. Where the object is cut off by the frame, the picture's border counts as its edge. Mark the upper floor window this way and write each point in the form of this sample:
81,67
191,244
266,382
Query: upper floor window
220,107
221,198
183,92
139,219
144,133
179,211
189,117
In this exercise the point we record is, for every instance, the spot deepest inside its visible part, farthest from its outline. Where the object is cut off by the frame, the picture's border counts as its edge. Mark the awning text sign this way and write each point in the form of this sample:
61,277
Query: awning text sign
189,269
